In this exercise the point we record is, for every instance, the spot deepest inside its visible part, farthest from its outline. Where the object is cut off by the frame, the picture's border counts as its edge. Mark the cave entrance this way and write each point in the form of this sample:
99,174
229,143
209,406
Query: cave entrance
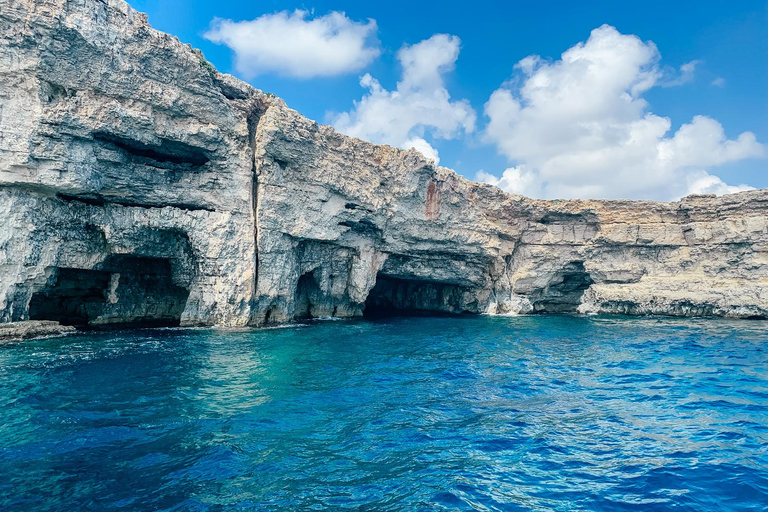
564,291
73,298
124,290
411,297
308,293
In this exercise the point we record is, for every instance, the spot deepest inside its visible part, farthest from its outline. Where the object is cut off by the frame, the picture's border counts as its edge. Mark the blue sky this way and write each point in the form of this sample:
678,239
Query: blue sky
723,44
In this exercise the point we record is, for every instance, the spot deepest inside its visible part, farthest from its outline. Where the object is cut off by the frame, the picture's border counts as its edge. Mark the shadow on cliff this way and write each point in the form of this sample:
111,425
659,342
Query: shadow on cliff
410,297
124,290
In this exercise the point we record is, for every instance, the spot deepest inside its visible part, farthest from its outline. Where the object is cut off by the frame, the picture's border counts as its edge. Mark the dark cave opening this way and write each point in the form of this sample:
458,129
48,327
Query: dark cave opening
412,297
124,290
307,294
564,291
75,297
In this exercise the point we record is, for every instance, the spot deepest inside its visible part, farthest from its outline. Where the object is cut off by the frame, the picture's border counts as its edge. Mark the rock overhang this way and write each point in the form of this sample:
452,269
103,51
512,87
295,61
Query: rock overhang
133,140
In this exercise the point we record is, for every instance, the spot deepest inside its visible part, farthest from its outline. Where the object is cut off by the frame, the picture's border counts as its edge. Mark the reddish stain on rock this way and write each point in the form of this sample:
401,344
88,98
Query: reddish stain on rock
432,208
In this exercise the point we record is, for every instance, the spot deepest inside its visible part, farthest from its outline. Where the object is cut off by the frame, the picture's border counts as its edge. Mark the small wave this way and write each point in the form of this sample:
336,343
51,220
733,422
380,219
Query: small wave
556,413
329,319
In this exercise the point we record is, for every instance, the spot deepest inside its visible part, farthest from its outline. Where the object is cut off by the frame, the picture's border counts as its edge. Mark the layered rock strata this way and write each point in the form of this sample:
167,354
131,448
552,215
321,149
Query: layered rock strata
15,331
139,185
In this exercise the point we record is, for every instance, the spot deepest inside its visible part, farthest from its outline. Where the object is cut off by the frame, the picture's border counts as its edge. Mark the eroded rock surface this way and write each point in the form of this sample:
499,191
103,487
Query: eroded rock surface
137,184
14,331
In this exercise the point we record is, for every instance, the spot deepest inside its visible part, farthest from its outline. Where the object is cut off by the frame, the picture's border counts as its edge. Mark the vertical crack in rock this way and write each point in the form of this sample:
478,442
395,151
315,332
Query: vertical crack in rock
255,198
254,112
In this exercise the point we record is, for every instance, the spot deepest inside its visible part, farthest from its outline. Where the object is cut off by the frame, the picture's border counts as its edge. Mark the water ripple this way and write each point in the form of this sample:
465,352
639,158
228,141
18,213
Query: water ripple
514,413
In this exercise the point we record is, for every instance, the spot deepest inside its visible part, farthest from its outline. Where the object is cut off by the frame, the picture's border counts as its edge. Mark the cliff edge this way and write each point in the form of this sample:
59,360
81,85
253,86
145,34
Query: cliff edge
139,185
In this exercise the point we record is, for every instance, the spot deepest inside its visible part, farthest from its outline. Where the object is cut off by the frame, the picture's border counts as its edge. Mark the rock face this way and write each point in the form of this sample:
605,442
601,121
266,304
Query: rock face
13,331
137,184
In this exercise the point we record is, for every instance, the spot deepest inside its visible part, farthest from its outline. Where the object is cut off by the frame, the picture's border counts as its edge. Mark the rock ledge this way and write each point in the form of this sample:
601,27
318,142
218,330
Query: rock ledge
140,186
31,329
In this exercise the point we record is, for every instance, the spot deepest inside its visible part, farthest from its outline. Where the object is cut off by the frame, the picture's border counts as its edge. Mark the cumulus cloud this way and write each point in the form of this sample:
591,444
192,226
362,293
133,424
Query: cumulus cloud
704,183
423,147
419,105
515,180
291,44
579,127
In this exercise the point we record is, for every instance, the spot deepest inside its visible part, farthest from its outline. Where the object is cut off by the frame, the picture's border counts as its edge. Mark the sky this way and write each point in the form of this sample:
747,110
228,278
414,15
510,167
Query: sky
551,99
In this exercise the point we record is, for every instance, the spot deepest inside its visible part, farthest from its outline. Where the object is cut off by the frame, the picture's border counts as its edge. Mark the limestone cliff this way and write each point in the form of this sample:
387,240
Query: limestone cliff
137,184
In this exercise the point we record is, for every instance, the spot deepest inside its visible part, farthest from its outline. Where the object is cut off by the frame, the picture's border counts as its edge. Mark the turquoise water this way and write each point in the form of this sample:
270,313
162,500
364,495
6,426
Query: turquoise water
470,413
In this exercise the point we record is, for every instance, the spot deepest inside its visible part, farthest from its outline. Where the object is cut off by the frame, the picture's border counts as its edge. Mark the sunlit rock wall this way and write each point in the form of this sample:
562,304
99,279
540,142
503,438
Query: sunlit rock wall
137,184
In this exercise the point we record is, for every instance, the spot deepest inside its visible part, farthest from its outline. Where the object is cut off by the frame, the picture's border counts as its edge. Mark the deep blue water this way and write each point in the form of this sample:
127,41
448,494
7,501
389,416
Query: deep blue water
471,413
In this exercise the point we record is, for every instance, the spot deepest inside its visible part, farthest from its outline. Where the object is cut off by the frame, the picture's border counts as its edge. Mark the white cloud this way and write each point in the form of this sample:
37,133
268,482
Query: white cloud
420,104
423,147
291,44
704,183
687,71
719,82
515,180
579,127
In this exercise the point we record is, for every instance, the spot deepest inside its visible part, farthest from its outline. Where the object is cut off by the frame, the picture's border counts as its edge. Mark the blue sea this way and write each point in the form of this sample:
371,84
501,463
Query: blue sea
537,413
